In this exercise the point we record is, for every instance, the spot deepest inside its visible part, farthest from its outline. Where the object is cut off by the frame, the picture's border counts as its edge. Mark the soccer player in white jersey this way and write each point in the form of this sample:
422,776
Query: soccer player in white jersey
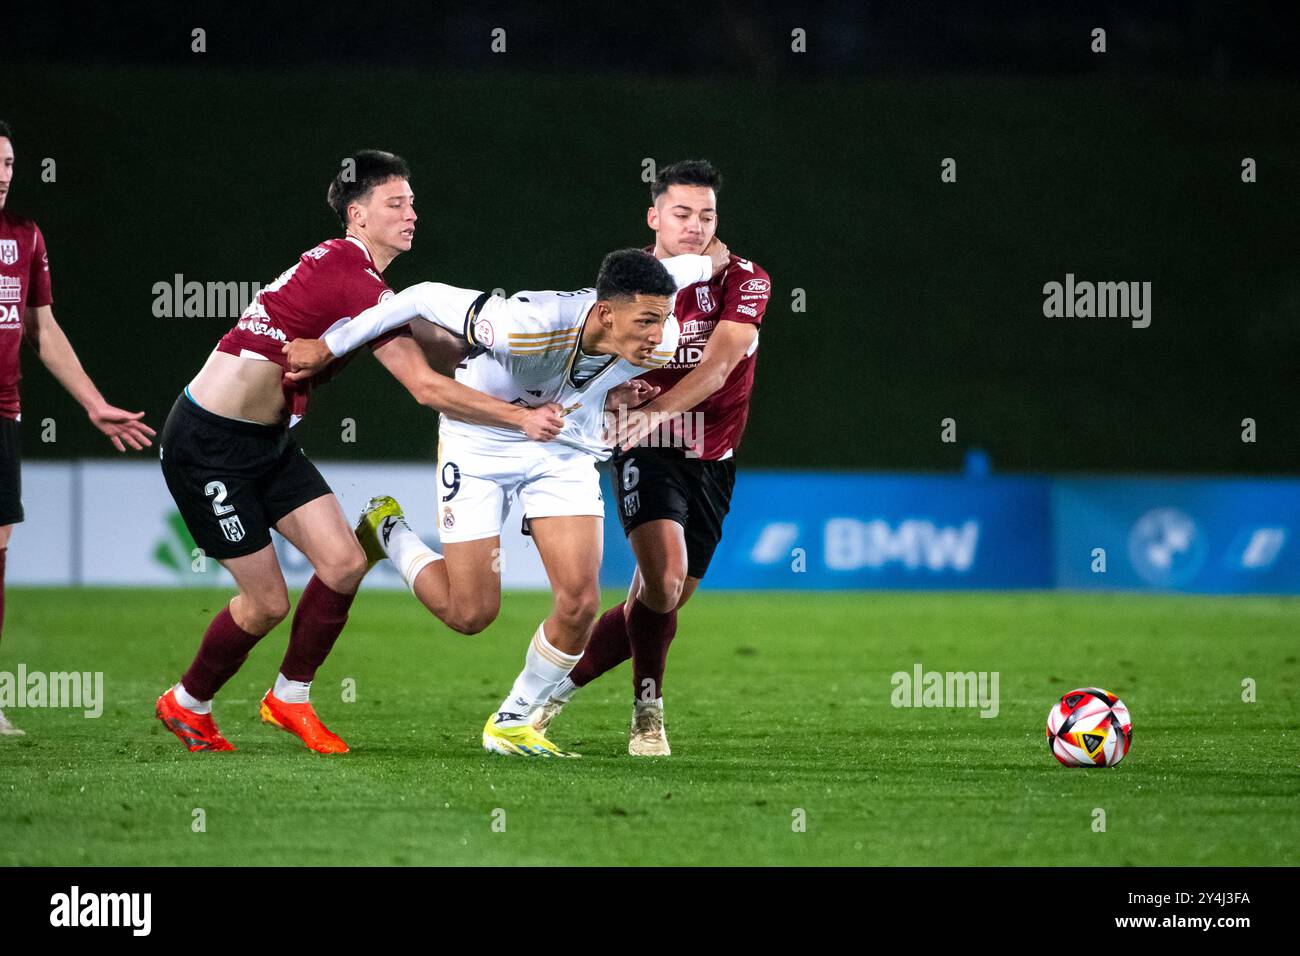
532,349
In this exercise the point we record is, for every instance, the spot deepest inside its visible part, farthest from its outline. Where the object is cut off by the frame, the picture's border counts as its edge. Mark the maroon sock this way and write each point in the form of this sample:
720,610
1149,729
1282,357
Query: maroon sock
607,648
224,649
649,633
317,623
3,553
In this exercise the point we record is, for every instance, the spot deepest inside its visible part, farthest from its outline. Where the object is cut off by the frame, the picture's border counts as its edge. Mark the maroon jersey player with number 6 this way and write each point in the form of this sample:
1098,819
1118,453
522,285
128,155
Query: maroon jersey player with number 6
236,473
27,314
673,499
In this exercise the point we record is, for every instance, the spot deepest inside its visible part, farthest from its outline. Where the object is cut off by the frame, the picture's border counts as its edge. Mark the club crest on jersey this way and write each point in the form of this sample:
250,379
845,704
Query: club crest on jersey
233,529
704,298
483,333
448,519
8,251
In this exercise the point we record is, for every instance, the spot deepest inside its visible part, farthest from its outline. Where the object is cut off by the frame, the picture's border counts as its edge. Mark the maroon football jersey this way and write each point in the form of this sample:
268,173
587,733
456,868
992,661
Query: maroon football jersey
24,283
738,294
333,282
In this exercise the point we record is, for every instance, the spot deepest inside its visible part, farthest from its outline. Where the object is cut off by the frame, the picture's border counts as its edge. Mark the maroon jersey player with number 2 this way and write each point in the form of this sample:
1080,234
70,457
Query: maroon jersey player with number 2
236,473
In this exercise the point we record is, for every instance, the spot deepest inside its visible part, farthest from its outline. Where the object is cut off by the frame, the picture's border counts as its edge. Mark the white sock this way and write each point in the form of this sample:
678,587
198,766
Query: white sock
291,691
564,690
190,702
408,553
544,667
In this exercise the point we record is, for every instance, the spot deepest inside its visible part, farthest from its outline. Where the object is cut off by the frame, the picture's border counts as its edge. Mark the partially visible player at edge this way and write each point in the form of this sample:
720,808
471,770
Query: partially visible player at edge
235,472
672,504
26,312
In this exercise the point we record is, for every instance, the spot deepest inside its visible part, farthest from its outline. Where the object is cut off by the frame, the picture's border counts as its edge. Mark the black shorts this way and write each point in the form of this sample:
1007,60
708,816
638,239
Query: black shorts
11,479
232,480
656,485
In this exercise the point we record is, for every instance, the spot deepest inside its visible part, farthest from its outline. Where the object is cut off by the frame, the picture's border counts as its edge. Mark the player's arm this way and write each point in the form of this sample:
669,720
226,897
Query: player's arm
732,339
444,305
688,270
404,360
729,343
726,347
123,428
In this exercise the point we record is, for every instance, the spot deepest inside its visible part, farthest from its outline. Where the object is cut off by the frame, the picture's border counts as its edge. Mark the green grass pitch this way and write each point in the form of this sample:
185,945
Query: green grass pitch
778,712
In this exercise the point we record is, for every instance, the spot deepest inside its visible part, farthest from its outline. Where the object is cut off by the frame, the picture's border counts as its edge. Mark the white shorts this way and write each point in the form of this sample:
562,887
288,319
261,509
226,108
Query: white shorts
478,483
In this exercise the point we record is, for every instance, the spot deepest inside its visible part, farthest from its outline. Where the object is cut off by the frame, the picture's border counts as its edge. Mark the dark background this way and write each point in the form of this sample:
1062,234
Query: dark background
924,299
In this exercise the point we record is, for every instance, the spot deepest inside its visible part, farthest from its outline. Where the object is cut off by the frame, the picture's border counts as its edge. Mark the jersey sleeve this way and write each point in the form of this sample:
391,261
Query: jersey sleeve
688,270
745,292
665,350
446,306
508,327
38,282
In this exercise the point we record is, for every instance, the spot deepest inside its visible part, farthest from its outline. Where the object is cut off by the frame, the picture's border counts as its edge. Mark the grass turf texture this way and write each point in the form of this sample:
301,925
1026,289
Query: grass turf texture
776,703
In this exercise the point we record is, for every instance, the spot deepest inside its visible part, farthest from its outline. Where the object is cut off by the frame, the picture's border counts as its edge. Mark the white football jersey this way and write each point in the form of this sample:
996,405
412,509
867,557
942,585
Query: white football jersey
527,350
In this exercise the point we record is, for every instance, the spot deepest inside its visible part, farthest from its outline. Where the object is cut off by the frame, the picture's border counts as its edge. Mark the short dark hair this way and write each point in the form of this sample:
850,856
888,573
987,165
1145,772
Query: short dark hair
4,130
627,273
689,172
369,168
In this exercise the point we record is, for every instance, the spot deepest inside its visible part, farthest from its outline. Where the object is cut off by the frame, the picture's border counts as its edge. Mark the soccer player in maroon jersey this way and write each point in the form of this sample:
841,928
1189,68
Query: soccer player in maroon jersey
673,499
26,312
235,471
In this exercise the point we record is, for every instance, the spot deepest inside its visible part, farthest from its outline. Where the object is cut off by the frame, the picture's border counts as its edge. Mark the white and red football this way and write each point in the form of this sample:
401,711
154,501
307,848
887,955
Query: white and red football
1089,727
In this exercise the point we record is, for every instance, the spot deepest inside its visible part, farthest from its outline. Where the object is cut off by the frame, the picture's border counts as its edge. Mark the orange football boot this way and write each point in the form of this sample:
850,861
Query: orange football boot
196,731
301,721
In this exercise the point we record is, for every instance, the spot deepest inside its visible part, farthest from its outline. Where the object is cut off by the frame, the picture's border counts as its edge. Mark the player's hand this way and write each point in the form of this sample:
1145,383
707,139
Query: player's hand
542,423
123,428
632,430
306,357
631,394
717,251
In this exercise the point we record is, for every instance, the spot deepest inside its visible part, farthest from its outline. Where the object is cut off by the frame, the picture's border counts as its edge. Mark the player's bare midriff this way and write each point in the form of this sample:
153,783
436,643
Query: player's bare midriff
235,387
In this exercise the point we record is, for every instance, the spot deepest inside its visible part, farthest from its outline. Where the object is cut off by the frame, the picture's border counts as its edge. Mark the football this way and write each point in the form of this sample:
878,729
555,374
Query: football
1089,727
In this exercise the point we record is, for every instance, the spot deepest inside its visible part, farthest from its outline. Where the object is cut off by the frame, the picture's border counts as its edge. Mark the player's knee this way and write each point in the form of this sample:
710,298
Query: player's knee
264,611
663,591
578,609
344,572
472,620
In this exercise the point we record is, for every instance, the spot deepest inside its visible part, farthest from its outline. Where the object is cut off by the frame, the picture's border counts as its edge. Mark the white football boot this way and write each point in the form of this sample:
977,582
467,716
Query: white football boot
647,738
542,716
7,729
